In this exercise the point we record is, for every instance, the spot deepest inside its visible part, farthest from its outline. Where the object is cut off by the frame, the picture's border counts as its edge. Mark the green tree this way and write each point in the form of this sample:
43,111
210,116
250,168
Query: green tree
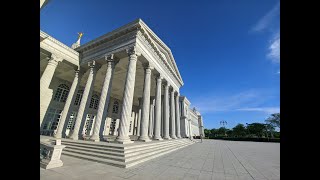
274,119
256,129
207,132
222,131
239,130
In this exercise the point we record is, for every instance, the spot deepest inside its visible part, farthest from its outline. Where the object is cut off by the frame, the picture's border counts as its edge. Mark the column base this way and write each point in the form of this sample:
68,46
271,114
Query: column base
144,139
122,140
174,137
167,138
74,138
94,138
179,137
157,139
59,136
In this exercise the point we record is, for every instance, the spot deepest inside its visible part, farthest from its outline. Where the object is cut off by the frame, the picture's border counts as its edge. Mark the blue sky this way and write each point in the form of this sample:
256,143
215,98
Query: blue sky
228,52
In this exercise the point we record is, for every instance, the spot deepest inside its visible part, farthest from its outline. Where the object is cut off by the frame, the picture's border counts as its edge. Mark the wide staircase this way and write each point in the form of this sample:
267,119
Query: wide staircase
121,155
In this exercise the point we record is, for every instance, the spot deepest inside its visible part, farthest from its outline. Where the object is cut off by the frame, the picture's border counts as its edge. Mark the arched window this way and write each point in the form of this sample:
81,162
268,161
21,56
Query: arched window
61,93
94,102
115,107
78,98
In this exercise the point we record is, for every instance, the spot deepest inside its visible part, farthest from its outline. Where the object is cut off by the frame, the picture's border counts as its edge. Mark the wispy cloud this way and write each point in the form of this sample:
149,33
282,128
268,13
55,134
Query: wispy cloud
267,110
266,21
274,49
211,104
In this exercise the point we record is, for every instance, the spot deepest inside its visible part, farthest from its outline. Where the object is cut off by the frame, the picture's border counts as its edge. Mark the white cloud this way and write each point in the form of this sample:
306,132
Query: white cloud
268,110
274,49
268,19
211,104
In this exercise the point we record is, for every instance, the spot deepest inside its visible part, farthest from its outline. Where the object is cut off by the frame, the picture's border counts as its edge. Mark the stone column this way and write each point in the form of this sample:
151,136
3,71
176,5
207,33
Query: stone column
69,104
173,119
151,117
97,134
139,116
81,115
166,112
125,117
157,116
190,130
145,106
177,117
45,81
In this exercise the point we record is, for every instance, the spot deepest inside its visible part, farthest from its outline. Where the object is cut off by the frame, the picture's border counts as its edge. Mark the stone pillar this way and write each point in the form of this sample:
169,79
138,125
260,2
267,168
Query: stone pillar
97,134
177,117
69,104
157,114
139,116
173,118
151,117
166,112
125,117
190,130
81,115
45,81
145,106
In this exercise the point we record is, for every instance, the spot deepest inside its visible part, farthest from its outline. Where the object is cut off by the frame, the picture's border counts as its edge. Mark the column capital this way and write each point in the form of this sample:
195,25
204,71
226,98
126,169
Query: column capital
56,58
94,65
159,78
147,66
133,51
111,58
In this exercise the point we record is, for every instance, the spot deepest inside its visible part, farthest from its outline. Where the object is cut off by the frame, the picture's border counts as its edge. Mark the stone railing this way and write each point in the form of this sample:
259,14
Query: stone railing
50,153
46,132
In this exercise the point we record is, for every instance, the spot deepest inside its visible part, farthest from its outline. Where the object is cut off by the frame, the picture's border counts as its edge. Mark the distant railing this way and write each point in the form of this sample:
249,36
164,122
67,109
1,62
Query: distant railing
46,132
50,153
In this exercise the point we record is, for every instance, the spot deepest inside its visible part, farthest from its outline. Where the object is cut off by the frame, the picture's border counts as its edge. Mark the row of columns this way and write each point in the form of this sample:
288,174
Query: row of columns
144,115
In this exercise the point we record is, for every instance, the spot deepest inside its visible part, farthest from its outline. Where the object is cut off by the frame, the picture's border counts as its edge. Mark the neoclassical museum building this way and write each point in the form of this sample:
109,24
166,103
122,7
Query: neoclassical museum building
123,86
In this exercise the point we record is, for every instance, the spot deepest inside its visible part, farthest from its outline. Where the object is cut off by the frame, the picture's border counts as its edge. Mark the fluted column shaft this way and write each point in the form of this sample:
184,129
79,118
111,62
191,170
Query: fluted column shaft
68,104
145,106
157,116
45,81
166,112
177,117
139,117
104,101
123,136
173,117
84,100
151,117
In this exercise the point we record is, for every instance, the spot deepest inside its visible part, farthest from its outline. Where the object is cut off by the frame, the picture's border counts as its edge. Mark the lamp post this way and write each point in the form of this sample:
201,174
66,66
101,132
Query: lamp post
223,123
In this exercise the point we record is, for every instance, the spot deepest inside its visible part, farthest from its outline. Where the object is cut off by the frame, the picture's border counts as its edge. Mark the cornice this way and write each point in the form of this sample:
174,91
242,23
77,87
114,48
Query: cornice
50,38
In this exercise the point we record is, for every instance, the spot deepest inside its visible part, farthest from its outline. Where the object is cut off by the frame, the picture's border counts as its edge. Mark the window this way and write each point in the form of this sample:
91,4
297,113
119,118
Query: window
72,120
52,119
78,98
115,107
94,102
61,93
89,122
130,126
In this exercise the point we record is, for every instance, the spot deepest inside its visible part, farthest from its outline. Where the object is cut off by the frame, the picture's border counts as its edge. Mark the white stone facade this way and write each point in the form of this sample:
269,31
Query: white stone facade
125,83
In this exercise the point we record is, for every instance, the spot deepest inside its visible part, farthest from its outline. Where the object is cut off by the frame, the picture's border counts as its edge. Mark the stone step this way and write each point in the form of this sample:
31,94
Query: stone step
146,150
139,147
103,148
95,159
138,161
95,144
114,155
104,151
153,152
93,154
151,143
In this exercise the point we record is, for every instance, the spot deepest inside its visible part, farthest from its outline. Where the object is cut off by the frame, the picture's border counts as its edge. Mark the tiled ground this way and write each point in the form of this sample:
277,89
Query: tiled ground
212,159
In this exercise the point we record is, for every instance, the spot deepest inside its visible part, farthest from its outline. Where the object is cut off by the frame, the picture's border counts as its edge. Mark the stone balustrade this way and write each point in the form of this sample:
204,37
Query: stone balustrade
50,153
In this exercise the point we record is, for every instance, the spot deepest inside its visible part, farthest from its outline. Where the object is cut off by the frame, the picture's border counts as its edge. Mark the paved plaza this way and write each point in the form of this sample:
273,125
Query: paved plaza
212,159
